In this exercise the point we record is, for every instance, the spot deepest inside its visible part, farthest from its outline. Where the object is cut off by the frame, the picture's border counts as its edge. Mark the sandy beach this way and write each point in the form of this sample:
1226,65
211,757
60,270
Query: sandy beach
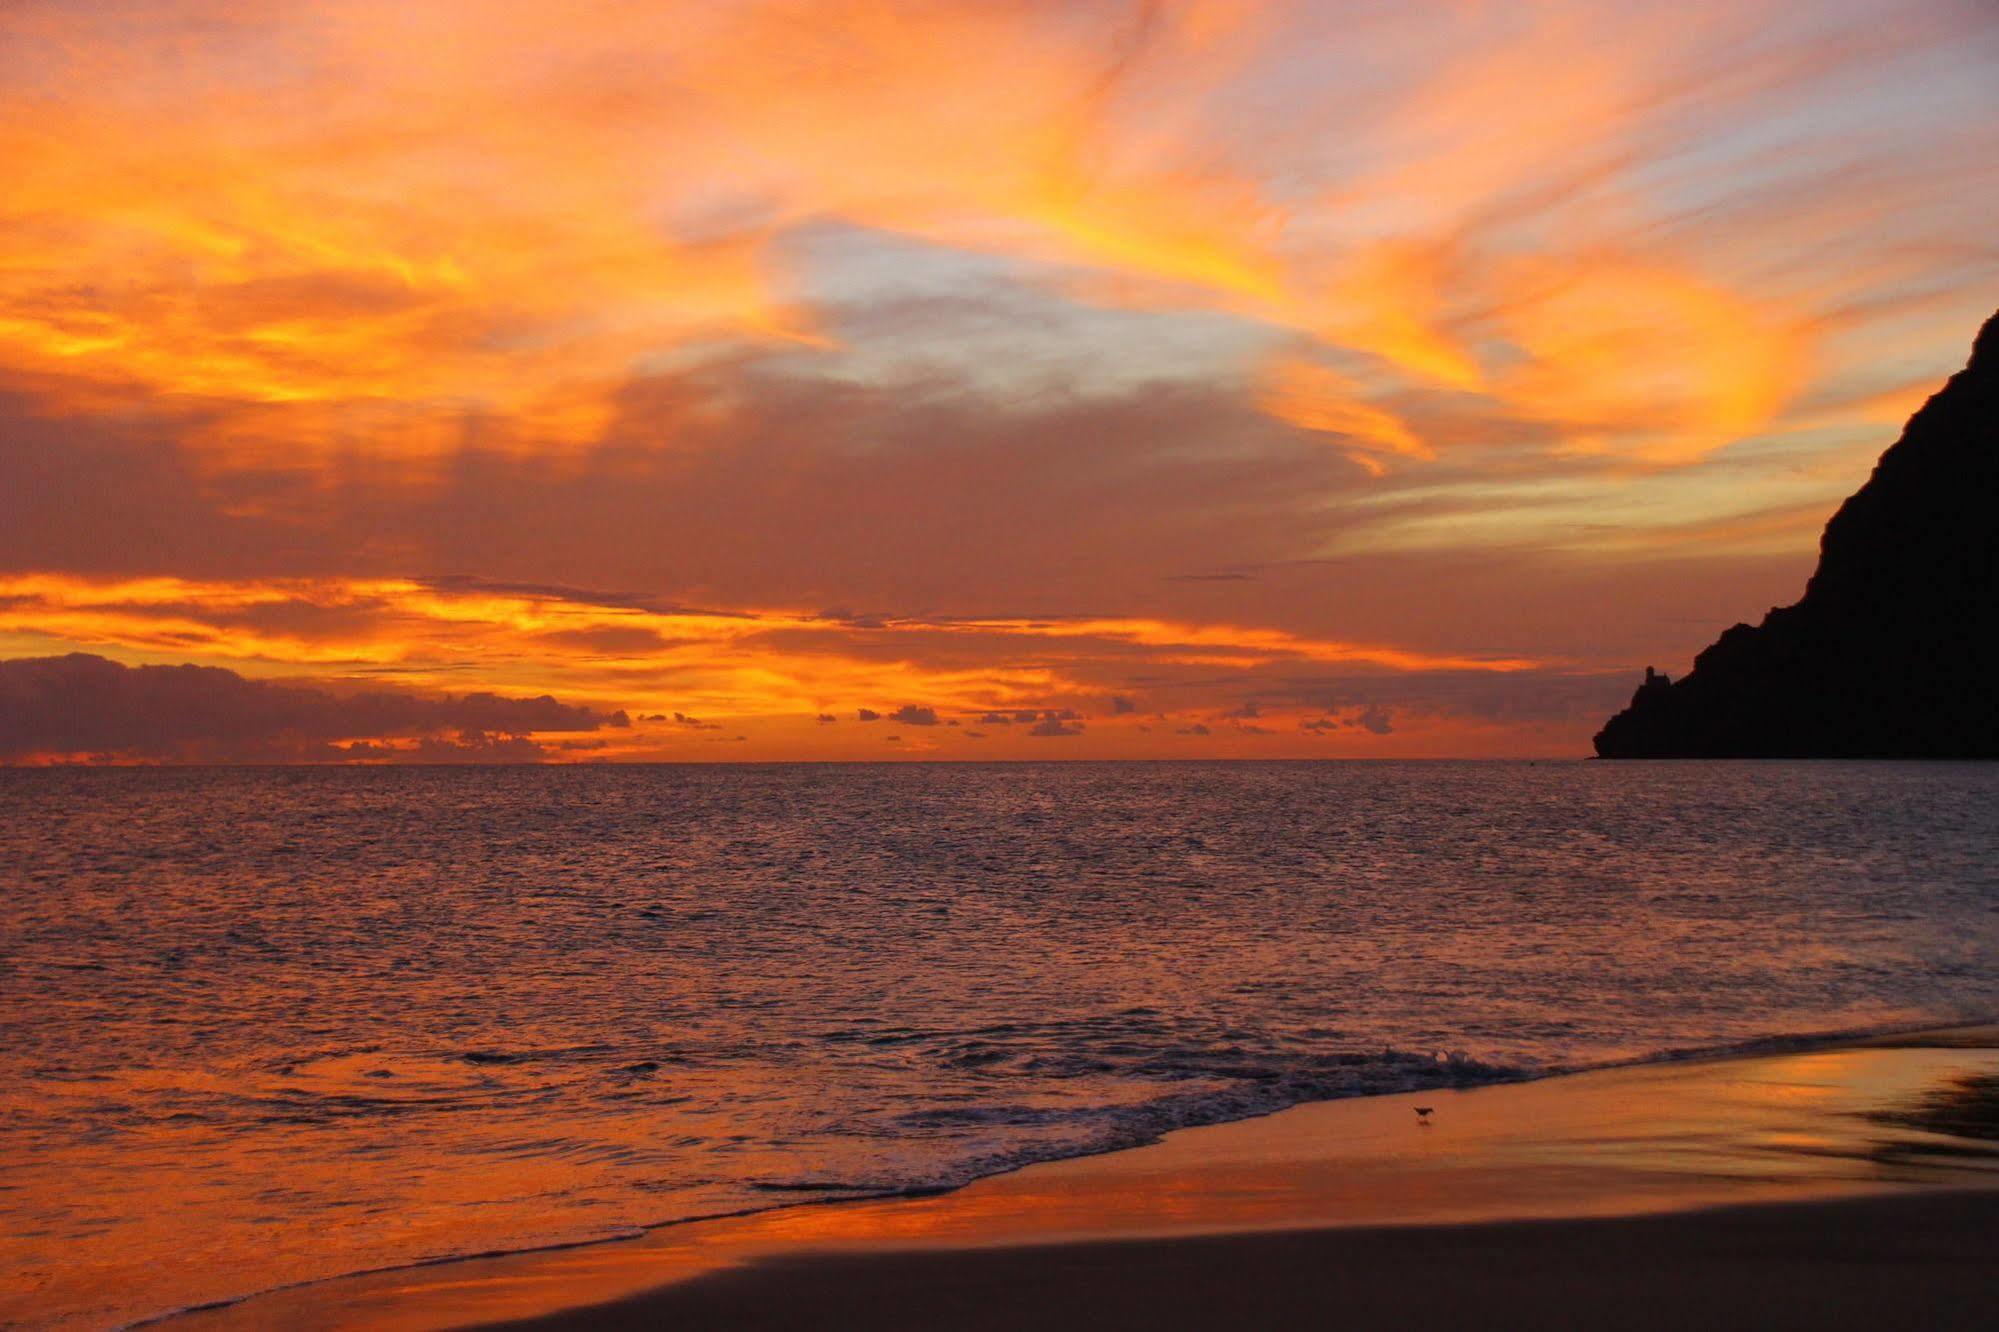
1047,664
1899,1262
1852,1185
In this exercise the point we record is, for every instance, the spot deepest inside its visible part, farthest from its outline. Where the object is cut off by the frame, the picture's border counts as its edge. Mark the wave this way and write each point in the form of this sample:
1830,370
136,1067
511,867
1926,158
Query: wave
1104,1129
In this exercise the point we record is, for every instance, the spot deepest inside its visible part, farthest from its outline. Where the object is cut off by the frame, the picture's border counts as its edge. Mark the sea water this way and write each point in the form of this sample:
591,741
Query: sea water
262,1026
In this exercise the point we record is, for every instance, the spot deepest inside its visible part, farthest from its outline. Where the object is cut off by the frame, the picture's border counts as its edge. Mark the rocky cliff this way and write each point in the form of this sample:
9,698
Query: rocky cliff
1891,651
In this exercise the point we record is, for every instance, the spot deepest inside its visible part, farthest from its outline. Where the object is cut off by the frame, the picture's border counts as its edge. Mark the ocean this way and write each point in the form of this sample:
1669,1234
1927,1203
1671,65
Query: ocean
267,1025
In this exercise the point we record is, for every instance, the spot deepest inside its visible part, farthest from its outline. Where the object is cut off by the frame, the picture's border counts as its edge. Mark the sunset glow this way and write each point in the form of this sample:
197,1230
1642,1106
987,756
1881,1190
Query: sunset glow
1167,379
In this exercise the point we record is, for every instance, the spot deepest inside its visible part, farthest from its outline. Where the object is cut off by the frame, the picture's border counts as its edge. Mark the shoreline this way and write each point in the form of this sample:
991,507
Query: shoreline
1886,1261
1575,1147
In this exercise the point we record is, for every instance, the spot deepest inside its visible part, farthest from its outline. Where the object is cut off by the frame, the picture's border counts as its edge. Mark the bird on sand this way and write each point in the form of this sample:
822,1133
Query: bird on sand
1423,1115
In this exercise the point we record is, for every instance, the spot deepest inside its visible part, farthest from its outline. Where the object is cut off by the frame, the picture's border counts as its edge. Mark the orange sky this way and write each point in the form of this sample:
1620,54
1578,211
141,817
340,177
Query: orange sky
1177,379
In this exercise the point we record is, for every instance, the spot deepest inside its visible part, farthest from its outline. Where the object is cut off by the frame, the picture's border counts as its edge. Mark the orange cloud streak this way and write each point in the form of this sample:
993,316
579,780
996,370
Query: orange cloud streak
743,667
365,223
1319,398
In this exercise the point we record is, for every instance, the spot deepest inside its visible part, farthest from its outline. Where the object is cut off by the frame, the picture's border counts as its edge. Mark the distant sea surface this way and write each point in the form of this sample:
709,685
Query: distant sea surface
261,1026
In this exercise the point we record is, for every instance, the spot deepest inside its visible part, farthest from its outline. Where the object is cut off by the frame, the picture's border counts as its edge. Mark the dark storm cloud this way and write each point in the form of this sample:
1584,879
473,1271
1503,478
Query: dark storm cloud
83,704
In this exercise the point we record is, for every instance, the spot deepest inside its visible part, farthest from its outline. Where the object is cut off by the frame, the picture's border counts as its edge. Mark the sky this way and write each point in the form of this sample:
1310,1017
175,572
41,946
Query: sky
593,380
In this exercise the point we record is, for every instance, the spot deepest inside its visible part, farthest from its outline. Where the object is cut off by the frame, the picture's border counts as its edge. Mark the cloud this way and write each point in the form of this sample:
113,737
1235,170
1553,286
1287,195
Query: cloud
468,747
81,706
1198,728
867,715
1319,398
715,671
1121,706
911,715
1053,724
1375,720
1322,354
841,615
612,640
1380,704
441,235
1028,716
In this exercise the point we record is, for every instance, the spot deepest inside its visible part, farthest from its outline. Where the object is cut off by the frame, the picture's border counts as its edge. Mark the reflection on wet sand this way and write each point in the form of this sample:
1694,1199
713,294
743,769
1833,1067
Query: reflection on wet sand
1788,1127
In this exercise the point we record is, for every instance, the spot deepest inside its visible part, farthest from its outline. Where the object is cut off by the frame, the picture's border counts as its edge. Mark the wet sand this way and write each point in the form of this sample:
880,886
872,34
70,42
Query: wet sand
1877,1263
1786,1190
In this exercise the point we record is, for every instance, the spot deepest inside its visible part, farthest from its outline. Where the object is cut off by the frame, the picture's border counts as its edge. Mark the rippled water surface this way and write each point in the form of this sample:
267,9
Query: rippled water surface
267,1025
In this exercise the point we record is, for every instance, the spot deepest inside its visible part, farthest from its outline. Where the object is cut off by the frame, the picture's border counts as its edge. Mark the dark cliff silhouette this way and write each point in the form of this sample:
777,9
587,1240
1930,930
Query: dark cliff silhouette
1890,653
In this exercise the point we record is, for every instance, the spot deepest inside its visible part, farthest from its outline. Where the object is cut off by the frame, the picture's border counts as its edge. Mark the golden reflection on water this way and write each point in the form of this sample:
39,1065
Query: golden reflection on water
1618,1142
282,1026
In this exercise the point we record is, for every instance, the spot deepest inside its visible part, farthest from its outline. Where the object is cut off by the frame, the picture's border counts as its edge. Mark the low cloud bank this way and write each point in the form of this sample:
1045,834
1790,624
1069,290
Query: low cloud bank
87,707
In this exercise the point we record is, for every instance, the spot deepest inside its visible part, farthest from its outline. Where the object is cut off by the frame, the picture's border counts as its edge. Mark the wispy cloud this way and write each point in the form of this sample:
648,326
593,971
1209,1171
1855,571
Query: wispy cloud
682,671
951,360
439,234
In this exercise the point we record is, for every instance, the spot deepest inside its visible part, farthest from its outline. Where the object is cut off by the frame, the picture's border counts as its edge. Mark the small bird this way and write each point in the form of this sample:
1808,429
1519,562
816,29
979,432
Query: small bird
1423,1115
